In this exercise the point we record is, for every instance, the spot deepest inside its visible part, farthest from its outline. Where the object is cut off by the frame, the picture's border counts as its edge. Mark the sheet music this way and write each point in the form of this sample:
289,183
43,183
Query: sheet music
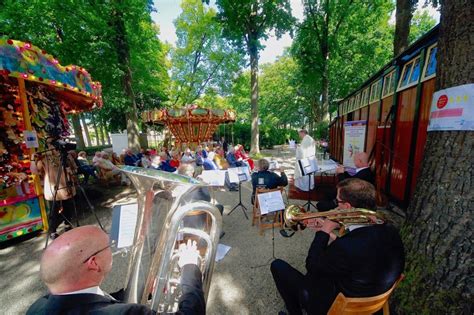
213,177
128,222
308,165
239,174
328,166
270,202
222,250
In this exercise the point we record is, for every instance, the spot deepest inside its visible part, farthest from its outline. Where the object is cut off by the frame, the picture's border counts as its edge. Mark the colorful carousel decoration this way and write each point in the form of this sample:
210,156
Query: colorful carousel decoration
190,125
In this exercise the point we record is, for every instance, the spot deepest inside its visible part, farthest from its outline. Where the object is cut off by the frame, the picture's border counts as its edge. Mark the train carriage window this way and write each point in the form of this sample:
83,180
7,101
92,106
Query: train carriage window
410,74
357,101
415,73
430,65
388,84
365,97
375,91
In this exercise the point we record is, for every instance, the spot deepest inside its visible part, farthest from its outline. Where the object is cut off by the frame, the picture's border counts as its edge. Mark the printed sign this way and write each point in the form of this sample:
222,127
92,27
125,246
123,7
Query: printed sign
453,109
354,140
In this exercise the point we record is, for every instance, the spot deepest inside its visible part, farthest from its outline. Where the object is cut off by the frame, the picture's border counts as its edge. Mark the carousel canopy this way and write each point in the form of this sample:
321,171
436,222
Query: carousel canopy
191,124
23,60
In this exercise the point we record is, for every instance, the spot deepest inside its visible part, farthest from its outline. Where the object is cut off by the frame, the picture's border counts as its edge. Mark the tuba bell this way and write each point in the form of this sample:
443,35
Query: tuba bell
295,215
153,276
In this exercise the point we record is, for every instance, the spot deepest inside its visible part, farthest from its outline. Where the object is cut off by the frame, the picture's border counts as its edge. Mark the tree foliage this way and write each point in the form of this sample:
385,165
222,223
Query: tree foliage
203,62
333,43
247,22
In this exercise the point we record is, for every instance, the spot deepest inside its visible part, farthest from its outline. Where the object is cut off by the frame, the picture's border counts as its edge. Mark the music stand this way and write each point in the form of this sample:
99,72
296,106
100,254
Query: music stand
279,205
308,167
242,178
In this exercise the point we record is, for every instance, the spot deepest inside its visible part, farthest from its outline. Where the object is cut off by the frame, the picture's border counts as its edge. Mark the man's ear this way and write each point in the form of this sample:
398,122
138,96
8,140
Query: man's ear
345,205
92,264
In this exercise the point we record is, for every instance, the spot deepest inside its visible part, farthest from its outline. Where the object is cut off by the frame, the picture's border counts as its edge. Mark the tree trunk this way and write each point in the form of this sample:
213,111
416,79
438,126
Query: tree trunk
86,131
403,16
254,140
325,61
76,125
123,53
438,230
96,130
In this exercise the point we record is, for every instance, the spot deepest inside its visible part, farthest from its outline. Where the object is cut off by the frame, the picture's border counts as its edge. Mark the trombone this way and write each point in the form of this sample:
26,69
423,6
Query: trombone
294,217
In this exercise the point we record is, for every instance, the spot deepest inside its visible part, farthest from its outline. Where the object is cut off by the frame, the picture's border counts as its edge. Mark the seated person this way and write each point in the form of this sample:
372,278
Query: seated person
231,158
363,171
161,162
146,159
174,162
96,158
116,159
207,163
364,262
266,179
84,167
108,169
75,264
242,156
131,159
219,159
187,157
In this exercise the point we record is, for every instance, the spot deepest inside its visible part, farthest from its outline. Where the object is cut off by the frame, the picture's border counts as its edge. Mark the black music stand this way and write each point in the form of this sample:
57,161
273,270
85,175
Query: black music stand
308,167
242,178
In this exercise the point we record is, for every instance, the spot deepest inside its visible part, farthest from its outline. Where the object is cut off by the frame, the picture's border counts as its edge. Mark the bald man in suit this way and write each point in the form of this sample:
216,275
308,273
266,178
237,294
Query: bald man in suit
75,264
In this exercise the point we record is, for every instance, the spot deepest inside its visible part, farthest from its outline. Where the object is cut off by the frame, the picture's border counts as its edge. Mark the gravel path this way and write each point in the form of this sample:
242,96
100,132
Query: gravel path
238,285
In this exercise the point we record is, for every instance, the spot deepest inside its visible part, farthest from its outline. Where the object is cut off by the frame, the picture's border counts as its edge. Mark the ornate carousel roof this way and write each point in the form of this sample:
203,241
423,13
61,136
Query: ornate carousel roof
190,124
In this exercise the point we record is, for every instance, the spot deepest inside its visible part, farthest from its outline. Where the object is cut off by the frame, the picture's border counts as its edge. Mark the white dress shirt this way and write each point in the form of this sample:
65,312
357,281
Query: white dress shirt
91,290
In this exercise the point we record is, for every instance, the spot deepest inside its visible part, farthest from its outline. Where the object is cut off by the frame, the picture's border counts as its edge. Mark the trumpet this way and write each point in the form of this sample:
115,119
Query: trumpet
295,215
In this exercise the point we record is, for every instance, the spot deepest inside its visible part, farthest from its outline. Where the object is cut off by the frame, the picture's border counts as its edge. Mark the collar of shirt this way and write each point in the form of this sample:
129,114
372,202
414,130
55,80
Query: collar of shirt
356,226
360,169
91,290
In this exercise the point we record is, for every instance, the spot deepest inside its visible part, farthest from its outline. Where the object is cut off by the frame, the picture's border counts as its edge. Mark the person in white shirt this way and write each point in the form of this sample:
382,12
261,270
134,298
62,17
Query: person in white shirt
306,149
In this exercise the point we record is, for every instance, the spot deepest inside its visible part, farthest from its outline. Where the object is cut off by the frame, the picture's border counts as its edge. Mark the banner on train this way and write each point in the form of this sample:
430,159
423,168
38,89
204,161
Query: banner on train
453,109
354,140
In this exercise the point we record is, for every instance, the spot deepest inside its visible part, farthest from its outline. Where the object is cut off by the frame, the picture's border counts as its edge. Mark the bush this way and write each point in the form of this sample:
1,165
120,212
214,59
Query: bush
269,134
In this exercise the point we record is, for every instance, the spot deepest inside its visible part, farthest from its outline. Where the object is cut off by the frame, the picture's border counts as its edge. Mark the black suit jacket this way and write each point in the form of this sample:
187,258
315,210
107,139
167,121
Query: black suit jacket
191,302
365,262
267,179
365,174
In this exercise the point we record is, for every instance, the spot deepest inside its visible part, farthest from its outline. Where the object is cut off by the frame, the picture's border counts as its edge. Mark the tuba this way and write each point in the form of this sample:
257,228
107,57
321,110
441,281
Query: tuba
165,202
295,215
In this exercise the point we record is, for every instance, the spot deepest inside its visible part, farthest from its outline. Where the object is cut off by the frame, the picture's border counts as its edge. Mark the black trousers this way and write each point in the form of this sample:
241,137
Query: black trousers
67,212
290,283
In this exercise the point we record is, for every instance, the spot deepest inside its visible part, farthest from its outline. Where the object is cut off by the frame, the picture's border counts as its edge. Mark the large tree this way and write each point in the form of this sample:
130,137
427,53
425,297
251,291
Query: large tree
248,22
438,231
333,33
203,62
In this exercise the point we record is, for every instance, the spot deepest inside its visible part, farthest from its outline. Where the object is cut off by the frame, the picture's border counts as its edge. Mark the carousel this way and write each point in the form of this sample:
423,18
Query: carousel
36,96
191,125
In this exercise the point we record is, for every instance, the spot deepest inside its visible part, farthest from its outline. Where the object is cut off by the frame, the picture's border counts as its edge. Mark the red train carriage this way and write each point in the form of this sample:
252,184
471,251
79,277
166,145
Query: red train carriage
396,103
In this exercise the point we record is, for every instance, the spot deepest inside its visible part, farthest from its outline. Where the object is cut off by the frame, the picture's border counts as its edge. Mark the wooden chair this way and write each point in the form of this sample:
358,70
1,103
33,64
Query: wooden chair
362,306
258,218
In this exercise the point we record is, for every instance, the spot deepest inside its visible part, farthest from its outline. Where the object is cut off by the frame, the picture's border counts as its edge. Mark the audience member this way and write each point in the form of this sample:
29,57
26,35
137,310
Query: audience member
364,262
187,157
110,170
84,167
174,162
220,159
267,179
146,159
74,266
233,162
116,159
131,159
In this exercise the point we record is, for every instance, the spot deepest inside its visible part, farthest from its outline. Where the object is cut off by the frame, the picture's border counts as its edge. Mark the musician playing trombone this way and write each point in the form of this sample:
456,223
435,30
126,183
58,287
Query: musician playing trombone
364,262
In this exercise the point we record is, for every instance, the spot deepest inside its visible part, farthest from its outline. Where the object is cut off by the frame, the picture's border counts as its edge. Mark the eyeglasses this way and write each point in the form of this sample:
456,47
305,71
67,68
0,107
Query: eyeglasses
100,250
